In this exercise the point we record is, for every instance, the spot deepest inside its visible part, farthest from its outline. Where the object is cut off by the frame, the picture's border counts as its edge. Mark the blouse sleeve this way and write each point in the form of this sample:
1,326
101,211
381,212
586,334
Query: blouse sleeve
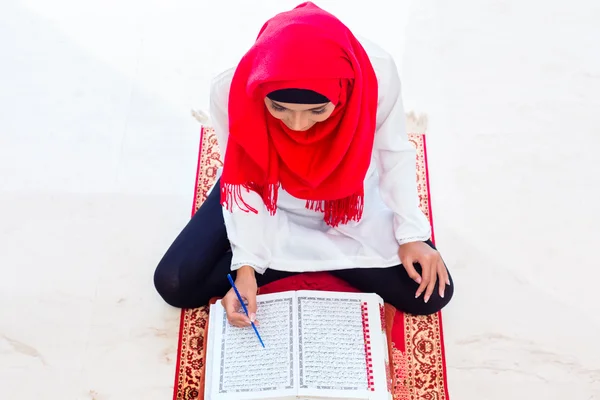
251,235
396,159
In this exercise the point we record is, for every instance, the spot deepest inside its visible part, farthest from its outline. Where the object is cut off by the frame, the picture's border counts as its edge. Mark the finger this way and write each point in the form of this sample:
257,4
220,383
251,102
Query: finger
442,277
426,272
240,320
432,280
230,305
410,270
251,305
234,317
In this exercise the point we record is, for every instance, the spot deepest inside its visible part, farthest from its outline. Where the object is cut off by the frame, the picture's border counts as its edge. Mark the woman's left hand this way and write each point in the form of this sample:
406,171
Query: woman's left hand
433,267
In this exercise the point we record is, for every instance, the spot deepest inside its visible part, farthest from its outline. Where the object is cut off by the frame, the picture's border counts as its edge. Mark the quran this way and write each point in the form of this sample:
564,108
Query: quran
318,345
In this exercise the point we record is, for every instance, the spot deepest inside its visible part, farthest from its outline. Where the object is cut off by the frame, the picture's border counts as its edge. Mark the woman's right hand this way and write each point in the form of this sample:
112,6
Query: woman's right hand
245,281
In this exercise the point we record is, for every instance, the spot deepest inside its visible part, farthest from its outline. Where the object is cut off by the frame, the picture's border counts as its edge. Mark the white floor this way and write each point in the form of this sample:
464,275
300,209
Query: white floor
97,160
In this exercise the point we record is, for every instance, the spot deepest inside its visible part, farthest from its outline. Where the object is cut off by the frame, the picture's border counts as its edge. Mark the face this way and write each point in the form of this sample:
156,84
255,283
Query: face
299,117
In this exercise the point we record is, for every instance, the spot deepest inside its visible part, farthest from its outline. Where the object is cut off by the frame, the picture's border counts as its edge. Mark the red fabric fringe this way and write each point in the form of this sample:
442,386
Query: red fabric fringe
232,194
340,211
335,212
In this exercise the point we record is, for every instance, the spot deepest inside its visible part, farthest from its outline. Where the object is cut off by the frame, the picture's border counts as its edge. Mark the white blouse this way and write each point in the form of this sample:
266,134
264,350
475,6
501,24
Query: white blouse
296,239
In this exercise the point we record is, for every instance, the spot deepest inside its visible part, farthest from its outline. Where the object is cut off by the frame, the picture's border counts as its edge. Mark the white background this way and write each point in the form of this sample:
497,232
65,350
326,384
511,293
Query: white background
97,162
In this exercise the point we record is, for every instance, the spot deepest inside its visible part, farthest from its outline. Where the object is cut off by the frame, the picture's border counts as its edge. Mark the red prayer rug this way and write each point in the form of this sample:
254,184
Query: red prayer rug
416,344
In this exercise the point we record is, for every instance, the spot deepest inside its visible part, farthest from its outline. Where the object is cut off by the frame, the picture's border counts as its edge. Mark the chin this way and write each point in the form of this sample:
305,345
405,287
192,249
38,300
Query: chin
301,130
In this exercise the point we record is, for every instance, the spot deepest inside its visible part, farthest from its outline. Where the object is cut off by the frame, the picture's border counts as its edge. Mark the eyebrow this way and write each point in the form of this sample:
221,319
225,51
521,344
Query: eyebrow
310,109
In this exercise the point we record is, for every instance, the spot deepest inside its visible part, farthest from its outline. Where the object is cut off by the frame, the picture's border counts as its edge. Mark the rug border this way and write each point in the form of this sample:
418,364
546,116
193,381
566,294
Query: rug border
179,345
182,312
443,347
198,165
428,188
442,344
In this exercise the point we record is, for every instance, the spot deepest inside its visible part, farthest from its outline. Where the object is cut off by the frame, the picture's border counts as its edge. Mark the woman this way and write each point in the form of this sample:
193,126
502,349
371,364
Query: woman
318,176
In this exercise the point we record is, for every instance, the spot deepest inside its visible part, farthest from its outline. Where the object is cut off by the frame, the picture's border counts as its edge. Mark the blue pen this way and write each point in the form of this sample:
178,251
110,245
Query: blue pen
244,306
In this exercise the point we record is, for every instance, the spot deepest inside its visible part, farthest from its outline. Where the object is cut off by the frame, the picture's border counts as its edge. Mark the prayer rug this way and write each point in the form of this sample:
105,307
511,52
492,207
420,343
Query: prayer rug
416,343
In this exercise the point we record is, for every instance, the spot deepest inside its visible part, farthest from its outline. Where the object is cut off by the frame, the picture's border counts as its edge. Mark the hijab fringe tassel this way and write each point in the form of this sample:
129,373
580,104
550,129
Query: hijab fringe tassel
335,212
231,195
339,211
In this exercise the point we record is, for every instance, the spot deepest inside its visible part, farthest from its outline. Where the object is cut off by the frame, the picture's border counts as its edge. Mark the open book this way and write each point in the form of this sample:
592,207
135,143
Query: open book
318,345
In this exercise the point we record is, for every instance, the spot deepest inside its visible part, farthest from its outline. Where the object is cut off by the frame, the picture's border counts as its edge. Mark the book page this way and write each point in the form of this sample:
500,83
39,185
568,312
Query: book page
241,367
331,342
338,357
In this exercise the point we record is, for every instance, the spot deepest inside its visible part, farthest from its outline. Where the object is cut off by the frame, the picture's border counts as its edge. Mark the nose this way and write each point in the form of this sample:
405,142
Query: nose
298,121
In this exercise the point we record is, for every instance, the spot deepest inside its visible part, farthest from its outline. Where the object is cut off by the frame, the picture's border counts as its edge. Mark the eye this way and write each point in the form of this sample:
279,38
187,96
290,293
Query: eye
277,108
321,111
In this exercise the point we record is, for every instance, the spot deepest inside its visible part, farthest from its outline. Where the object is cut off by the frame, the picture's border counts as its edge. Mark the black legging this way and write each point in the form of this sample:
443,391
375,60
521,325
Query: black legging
195,267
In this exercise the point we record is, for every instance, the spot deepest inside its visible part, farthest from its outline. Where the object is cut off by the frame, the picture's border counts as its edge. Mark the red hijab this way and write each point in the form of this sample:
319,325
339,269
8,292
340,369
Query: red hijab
305,48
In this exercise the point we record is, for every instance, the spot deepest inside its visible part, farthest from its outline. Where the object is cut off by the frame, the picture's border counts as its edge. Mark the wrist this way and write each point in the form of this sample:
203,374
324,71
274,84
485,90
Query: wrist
245,271
413,243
